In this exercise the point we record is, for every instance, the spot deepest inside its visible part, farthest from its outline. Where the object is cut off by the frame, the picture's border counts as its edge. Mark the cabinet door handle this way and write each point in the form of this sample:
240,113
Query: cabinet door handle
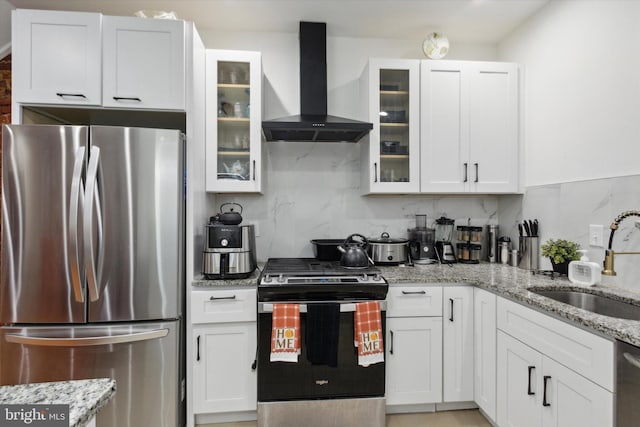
198,348
391,344
529,392
476,165
466,167
219,298
451,309
254,170
545,379
413,292
375,172
254,365
126,98
74,95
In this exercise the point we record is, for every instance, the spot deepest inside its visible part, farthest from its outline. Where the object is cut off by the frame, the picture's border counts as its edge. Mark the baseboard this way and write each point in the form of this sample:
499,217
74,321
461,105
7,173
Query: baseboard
455,406
408,409
227,417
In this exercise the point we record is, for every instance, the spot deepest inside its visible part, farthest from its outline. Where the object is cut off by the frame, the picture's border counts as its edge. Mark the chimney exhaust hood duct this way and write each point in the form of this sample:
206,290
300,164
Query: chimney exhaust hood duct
313,123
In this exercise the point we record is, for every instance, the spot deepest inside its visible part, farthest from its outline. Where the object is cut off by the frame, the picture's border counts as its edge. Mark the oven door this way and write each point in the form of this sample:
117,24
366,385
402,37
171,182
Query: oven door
278,381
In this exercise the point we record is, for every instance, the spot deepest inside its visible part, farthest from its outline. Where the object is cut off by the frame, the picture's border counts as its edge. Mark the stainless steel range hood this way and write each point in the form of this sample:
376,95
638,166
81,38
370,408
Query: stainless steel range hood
313,124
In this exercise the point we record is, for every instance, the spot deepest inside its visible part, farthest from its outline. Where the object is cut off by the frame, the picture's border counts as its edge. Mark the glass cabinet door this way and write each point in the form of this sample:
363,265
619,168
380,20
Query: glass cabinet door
233,121
394,103
394,126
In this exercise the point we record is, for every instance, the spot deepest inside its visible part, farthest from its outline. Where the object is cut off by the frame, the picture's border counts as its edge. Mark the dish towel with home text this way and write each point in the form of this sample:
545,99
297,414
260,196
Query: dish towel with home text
285,333
368,333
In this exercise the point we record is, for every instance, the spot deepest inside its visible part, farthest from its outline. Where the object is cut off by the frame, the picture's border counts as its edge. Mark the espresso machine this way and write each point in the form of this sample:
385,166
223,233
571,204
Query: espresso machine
230,248
422,242
444,235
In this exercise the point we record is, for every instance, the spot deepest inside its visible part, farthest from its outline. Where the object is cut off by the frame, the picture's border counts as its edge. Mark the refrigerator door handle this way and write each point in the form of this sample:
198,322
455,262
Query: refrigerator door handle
91,195
77,201
86,341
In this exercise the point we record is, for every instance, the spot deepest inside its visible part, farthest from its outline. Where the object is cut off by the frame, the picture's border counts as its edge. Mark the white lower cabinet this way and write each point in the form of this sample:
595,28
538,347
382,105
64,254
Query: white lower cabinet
484,325
457,344
414,360
224,340
534,389
223,377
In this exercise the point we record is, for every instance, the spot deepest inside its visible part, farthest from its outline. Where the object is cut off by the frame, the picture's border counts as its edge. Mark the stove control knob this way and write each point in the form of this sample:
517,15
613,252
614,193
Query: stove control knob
224,242
364,277
267,279
377,278
281,278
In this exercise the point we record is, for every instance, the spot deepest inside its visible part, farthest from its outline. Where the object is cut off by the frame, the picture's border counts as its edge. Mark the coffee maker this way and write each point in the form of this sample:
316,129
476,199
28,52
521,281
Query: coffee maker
444,236
230,248
422,242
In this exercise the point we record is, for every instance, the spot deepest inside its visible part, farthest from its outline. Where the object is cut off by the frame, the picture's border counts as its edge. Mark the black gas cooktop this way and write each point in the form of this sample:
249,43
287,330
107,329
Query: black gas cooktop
306,279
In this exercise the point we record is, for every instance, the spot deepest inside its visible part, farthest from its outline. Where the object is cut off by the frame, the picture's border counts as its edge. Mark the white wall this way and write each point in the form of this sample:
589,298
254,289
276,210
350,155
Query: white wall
581,90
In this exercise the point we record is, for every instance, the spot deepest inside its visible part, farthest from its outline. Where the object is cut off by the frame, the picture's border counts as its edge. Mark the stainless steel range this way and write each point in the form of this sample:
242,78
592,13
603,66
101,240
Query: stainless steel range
311,392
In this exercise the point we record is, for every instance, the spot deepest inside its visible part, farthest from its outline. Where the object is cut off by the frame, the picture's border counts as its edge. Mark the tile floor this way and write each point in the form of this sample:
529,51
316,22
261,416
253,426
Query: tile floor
466,418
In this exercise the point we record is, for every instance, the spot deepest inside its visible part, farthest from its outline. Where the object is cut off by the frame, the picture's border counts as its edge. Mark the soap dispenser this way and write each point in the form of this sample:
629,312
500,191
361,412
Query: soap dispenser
584,272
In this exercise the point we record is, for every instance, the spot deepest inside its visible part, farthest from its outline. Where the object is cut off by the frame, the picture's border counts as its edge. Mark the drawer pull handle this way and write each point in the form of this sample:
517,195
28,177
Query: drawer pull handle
450,309
529,392
466,168
477,179
75,95
198,348
413,292
127,98
391,346
220,298
545,379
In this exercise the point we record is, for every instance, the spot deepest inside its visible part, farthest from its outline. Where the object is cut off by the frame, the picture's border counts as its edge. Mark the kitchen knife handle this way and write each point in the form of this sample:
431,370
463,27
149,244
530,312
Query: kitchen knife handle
375,172
91,195
126,98
545,379
529,392
198,349
451,309
73,95
391,344
75,204
476,166
466,168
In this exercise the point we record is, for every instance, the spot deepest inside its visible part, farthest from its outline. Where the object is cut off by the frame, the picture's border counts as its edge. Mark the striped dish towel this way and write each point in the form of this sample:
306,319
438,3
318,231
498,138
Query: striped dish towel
285,333
368,333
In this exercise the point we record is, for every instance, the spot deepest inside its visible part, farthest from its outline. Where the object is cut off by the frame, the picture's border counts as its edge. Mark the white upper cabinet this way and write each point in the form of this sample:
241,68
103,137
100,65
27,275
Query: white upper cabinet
57,57
469,127
391,156
144,63
233,121
74,58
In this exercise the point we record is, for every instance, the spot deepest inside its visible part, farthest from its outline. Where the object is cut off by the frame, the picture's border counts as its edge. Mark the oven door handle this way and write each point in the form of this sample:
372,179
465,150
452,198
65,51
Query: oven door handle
345,307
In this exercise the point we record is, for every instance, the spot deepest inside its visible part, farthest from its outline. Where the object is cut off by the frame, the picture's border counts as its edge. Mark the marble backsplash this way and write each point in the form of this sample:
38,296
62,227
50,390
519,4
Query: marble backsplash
566,210
312,191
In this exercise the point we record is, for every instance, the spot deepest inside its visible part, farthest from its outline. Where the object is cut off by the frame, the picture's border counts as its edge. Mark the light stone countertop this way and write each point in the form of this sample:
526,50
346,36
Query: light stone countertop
506,281
84,397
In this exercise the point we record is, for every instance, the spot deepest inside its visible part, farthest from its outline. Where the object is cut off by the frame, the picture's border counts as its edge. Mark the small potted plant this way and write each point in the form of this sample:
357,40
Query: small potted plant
560,252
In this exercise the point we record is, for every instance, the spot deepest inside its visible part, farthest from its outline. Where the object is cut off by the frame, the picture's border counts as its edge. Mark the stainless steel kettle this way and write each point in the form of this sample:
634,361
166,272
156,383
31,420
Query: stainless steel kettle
354,252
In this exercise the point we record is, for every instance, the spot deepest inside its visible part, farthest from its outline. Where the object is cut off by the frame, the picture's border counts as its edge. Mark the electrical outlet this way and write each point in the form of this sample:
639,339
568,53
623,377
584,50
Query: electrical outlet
596,235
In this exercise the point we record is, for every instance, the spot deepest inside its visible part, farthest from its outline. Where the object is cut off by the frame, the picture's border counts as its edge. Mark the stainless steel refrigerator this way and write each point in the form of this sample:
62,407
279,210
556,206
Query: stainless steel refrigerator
92,264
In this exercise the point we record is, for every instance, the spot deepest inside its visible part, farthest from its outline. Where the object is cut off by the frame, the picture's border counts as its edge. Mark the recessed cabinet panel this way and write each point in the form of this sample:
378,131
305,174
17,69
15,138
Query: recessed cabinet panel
144,63
233,121
57,57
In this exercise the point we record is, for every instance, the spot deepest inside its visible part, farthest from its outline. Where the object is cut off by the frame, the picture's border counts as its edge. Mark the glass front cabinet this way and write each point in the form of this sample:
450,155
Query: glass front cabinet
391,157
233,116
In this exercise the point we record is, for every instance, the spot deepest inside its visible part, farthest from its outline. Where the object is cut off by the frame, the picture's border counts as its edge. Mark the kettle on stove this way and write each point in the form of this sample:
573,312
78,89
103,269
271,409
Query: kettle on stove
354,252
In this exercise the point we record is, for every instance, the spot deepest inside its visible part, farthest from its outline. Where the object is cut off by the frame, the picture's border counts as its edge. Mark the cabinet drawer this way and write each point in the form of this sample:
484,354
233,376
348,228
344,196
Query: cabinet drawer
228,305
414,301
585,353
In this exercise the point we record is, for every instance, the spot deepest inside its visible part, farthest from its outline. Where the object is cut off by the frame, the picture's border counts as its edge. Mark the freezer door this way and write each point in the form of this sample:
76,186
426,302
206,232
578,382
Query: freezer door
42,198
134,224
142,358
